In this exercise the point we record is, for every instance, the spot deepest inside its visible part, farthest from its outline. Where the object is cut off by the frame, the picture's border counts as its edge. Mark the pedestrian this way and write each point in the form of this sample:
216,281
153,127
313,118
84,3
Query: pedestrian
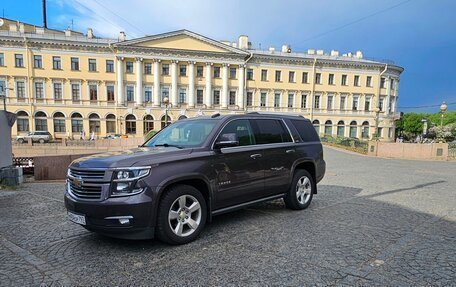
92,136
83,135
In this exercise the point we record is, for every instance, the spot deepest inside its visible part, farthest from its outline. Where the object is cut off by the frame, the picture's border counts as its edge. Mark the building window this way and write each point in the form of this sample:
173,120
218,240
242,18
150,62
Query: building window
39,90
316,124
183,70
249,99
290,100
148,124
353,129
2,59
318,78
130,124
355,103
317,102
56,63
216,97
365,131
76,92
165,121
41,122
165,93
57,91
110,96
344,80
199,97
369,81
303,101
38,61
232,98
111,124
291,77
148,94
92,65
343,99
305,77
109,66
276,100
328,128
381,103
216,72
148,68
330,104
75,64
129,67
340,129
18,60
59,123
94,123
331,79
382,83
199,71
278,76
182,96
22,122
130,93
250,74
367,104
232,73
263,99
165,69
93,92
392,84
356,81
264,75
76,123
20,89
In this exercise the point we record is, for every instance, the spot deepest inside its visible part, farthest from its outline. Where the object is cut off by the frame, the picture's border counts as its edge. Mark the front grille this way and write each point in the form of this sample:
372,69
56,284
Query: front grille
86,184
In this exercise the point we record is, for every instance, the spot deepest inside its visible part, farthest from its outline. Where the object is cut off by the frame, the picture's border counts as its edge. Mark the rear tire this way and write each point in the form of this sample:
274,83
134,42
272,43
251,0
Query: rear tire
21,141
41,141
301,191
182,215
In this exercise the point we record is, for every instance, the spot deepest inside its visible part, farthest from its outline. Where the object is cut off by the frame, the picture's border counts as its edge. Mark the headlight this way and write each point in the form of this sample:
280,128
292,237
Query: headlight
125,181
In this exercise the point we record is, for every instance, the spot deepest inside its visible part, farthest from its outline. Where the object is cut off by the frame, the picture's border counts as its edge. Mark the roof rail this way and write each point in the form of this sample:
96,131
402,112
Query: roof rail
274,114
215,115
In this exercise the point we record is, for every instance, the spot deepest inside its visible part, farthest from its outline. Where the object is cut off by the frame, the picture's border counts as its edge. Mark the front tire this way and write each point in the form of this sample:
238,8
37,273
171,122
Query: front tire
21,141
41,141
181,215
301,191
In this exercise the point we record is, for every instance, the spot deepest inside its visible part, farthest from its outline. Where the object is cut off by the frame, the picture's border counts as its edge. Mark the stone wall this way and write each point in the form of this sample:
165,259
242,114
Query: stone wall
435,151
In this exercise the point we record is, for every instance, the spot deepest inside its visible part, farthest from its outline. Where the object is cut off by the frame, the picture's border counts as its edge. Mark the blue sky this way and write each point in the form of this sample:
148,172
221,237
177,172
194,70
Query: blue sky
419,35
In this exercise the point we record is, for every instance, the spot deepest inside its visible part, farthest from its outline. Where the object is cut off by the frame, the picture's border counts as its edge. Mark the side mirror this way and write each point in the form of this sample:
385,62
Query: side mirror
226,140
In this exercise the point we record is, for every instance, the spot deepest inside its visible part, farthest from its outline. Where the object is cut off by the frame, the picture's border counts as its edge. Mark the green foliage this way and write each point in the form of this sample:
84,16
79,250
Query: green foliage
411,125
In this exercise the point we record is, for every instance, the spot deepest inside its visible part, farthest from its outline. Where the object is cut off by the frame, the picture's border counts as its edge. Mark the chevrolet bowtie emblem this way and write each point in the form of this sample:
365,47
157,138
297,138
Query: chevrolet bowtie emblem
78,182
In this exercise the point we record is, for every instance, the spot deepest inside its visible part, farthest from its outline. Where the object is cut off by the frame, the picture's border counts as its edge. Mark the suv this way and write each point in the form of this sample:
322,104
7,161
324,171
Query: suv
38,136
193,170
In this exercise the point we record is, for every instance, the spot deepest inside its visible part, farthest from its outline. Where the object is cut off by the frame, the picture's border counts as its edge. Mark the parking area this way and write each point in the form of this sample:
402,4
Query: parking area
374,222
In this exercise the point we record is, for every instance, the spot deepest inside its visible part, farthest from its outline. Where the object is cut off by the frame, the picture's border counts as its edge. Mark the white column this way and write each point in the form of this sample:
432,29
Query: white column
174,83
120,86
240,99
224,95
208,100
157,99
191,84
139,84
388,97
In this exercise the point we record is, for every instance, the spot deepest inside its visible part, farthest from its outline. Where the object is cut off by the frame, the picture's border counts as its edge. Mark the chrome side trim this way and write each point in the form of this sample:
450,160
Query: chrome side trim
245,204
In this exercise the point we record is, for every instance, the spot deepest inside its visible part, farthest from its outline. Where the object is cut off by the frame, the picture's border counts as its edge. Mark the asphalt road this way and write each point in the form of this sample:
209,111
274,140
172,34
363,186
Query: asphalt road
374,222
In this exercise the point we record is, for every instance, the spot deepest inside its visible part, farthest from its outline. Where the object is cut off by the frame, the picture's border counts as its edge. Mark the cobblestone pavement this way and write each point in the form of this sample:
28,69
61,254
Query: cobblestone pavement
374,222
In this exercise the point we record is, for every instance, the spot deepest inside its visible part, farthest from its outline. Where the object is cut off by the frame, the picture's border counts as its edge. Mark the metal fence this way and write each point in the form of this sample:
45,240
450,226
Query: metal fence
27,164
347,143
452,150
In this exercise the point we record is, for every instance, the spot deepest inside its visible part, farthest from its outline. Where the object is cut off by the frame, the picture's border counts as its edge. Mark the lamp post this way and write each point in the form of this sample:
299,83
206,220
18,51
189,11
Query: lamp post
166,102
443,108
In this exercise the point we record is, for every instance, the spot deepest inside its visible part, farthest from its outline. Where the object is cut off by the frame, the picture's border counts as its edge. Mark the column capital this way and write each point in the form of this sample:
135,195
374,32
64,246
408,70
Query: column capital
242,66
192,62
119,58
209,64
139,59
225,65
174,61
156,60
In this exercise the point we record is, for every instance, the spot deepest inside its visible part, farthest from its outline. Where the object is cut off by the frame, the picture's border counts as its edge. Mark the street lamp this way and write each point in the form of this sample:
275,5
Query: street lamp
166,102
443,108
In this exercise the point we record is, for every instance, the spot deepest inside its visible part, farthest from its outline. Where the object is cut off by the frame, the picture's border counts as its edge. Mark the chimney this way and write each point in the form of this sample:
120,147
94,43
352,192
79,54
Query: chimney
243,42
21,28
285,48
271,50
90,33
311,52
359,54
68,33
334,53
320,52
13,27
122,36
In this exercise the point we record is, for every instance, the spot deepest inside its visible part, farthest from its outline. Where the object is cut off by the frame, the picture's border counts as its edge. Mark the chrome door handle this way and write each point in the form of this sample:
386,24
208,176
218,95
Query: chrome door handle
255,156
290,151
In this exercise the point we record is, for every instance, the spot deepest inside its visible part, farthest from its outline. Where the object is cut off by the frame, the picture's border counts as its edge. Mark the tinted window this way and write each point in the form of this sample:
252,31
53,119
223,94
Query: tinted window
271,131
305,130
242,129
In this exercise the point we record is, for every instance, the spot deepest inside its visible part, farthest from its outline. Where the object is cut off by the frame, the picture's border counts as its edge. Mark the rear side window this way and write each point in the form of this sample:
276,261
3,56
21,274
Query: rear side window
305,130
270,131
242,131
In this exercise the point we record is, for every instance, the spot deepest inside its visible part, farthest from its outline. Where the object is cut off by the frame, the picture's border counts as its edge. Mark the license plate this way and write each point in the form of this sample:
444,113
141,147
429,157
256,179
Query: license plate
76,218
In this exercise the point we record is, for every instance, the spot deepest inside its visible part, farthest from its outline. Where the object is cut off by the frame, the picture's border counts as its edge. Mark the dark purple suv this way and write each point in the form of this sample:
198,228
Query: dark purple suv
192,170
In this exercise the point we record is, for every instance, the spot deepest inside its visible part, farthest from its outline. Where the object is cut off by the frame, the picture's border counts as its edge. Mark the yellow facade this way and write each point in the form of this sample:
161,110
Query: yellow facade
69,82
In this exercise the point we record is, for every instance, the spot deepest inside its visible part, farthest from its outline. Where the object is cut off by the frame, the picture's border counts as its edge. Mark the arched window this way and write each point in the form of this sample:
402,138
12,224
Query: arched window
182,117
316,124
76,123
111,124
163,121
94,123
41,121
340,129
365,133
148,124
22,122
353,129
59,122
130,124
328,128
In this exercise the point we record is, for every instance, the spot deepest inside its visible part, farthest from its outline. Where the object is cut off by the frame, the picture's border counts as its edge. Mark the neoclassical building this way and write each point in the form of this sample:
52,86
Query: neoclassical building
68,82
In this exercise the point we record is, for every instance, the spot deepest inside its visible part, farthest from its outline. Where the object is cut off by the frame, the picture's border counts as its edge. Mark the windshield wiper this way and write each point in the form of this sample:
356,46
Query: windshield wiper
169,145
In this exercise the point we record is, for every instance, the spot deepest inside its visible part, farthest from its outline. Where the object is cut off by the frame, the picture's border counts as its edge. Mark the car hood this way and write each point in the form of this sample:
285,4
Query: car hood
143,156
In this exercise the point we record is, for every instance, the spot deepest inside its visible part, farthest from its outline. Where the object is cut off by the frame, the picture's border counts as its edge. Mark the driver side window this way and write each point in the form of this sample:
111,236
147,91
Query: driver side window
242,131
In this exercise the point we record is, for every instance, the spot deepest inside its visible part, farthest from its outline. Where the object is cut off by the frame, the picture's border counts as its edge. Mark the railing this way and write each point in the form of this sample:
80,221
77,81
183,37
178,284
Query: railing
452,150
27,164
347,143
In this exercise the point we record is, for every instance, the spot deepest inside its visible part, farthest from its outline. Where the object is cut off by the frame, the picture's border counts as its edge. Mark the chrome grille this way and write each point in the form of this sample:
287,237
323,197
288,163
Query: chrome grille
87,174
86,184
85,190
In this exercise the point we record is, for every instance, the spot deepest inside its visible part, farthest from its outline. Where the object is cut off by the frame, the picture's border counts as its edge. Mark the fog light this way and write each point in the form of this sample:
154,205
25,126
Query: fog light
124,221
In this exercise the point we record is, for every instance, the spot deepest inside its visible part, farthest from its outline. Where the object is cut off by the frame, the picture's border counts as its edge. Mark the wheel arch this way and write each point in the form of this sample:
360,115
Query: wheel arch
310,167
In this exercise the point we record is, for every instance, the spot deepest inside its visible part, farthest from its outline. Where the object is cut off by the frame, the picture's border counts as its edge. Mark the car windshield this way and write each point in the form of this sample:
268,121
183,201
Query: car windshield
183,134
